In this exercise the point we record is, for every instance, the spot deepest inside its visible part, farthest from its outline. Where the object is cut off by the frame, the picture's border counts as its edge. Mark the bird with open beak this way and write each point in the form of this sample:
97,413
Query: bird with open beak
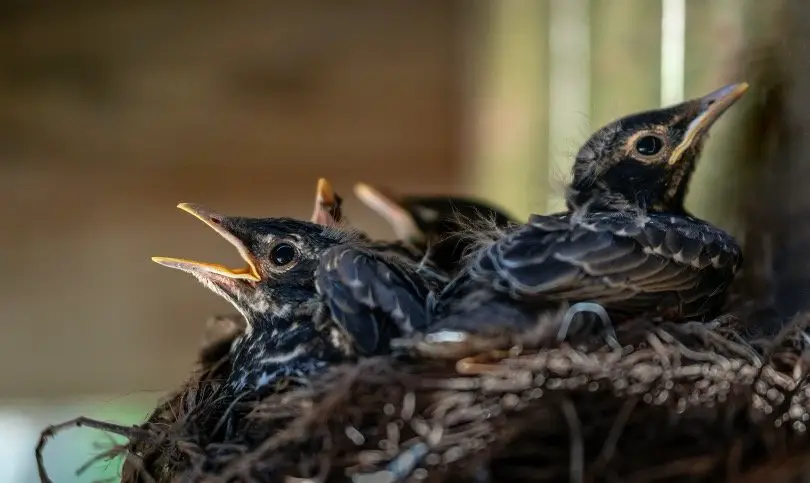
223,329
625,247
312,295
441,228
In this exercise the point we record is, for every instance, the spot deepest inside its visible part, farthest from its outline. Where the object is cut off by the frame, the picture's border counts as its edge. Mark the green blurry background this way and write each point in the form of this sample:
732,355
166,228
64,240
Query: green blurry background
112,114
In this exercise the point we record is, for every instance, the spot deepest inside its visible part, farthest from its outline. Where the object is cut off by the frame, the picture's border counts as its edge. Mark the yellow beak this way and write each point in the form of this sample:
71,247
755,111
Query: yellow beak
712,106
215,221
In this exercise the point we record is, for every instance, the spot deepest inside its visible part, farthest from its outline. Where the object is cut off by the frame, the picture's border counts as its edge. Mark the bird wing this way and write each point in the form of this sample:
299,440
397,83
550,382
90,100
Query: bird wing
367,293
613,259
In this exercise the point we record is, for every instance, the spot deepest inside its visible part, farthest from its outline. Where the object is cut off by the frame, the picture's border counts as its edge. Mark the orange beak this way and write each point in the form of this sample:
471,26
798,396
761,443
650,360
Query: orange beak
327,205
712,106
215,221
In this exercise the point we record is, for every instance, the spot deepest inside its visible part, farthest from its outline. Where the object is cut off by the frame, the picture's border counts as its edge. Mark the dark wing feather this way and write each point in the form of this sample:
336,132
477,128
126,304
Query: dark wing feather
408,255
373,298
653,262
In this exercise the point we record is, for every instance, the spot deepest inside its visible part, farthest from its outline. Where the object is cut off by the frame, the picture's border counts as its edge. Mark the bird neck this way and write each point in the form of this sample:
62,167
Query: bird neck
283,348
597,197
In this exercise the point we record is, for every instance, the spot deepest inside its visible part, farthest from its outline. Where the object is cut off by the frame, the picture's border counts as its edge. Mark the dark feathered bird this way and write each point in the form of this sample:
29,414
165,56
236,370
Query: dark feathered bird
437,226
311,295
625,243
328,212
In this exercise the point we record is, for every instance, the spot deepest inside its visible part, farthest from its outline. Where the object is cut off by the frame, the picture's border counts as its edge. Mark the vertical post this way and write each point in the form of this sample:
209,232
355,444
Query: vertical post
508,103
625,62
569,89
673,32
714,42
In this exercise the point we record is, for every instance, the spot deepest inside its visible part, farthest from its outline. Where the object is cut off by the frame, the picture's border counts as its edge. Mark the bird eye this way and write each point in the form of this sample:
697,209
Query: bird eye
649,145
282,254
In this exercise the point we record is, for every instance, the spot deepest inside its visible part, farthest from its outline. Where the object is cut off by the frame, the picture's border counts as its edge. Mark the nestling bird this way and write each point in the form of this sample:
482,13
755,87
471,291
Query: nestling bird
328,212
311,295
437,226
626,243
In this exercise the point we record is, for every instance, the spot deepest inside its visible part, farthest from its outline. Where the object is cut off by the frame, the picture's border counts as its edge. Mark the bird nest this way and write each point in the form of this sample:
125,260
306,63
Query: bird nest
687,402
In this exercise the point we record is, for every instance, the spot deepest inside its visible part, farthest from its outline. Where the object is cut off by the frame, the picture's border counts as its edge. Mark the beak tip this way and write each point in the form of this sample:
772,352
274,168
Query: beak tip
365,192
325,192
741,88
728,94
190,207
359,188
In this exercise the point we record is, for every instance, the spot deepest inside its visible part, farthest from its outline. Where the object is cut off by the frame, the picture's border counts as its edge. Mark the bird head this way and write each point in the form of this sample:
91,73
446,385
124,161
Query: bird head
281,256
427,219
647,159
442,226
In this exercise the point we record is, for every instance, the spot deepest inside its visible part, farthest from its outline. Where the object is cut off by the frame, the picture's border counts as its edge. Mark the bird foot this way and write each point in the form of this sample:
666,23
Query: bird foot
599,311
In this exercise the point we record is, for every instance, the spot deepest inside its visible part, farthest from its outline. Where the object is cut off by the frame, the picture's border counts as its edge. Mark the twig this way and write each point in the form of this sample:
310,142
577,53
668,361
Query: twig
227,413
109,454
51,431
608,449
577,461
140,468
299,427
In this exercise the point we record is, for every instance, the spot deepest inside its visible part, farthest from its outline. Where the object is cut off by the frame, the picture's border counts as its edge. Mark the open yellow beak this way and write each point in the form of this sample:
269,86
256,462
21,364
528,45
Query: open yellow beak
327,204
712,106
214,221
391,210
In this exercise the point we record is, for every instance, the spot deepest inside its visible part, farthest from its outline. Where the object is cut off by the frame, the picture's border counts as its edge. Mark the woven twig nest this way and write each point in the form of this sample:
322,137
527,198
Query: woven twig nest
686,402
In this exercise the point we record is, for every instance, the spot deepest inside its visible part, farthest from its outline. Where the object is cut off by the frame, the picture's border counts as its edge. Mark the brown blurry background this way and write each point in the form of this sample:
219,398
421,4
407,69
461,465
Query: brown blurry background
112,113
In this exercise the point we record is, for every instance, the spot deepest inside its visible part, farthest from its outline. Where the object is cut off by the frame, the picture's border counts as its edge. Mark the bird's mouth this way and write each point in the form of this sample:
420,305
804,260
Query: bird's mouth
712,106
389,209
215,221
327,204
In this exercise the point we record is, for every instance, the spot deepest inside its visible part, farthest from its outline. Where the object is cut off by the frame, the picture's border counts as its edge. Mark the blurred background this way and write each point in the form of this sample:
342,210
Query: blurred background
111,113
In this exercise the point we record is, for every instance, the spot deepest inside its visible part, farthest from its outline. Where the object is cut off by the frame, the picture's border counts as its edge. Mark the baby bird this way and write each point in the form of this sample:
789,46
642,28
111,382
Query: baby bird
626,246
328,212
435,226
312,296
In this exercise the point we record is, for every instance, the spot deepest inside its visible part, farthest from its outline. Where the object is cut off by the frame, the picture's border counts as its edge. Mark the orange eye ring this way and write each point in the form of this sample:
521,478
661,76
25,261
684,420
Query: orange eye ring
647,146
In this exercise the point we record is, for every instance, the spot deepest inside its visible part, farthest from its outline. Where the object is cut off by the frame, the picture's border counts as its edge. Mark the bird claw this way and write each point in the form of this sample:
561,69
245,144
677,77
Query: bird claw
594,308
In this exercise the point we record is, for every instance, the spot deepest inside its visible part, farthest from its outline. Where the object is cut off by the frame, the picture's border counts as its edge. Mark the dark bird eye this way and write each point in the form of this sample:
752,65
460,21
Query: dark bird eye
649,145
282,254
